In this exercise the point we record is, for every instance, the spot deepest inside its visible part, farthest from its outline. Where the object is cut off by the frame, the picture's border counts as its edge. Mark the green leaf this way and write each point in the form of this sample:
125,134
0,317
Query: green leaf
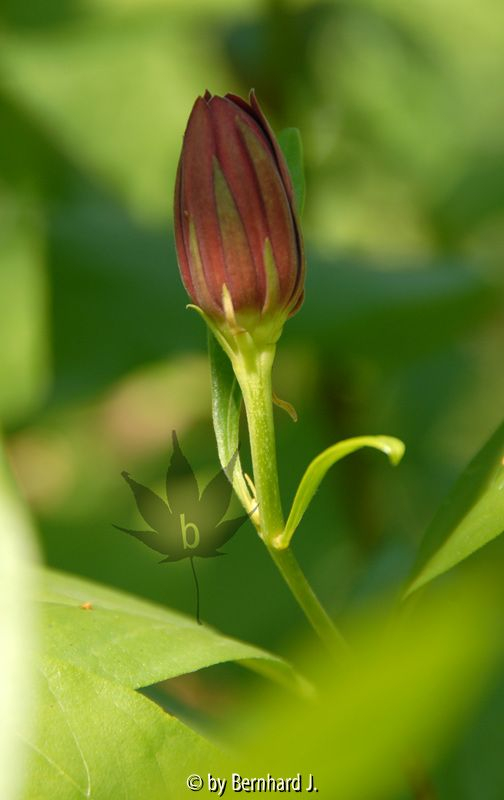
471,516
226,407
292,147
317,469
97,739
18,626
226,401
132,641
96,736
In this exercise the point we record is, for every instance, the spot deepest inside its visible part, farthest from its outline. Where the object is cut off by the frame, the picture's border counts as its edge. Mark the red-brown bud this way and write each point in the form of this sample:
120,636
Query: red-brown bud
238,238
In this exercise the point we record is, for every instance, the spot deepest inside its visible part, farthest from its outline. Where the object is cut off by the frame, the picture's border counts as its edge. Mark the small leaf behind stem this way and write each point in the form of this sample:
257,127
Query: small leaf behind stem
292,147
318,468
226,407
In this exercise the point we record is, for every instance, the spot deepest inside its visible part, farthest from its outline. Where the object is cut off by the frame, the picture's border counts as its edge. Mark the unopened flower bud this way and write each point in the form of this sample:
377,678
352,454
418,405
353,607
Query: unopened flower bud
238,237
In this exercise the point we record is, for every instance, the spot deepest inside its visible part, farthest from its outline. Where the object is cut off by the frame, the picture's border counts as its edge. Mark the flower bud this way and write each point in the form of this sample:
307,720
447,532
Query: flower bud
238,238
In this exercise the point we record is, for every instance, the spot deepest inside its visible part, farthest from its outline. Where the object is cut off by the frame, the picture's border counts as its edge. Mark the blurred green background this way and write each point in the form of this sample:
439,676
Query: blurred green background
400,109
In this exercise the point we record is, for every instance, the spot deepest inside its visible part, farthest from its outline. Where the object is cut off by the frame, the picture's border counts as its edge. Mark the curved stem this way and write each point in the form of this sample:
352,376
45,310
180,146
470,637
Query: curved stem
253,371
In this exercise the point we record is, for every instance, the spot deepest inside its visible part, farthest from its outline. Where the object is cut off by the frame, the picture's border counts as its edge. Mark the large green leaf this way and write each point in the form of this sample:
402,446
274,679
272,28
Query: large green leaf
318,468
132,641
470,517
96,736
99,740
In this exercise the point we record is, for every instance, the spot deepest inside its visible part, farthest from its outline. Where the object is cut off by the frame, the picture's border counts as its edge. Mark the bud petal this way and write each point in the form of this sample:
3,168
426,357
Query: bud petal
241,276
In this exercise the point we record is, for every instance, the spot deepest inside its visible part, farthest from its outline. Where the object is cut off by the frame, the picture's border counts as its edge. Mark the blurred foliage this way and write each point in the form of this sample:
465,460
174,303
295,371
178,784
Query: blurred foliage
442,652
18,633
402,328
380,709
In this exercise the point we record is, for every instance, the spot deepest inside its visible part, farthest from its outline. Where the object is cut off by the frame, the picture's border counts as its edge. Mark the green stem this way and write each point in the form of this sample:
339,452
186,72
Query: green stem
253,371
308,600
